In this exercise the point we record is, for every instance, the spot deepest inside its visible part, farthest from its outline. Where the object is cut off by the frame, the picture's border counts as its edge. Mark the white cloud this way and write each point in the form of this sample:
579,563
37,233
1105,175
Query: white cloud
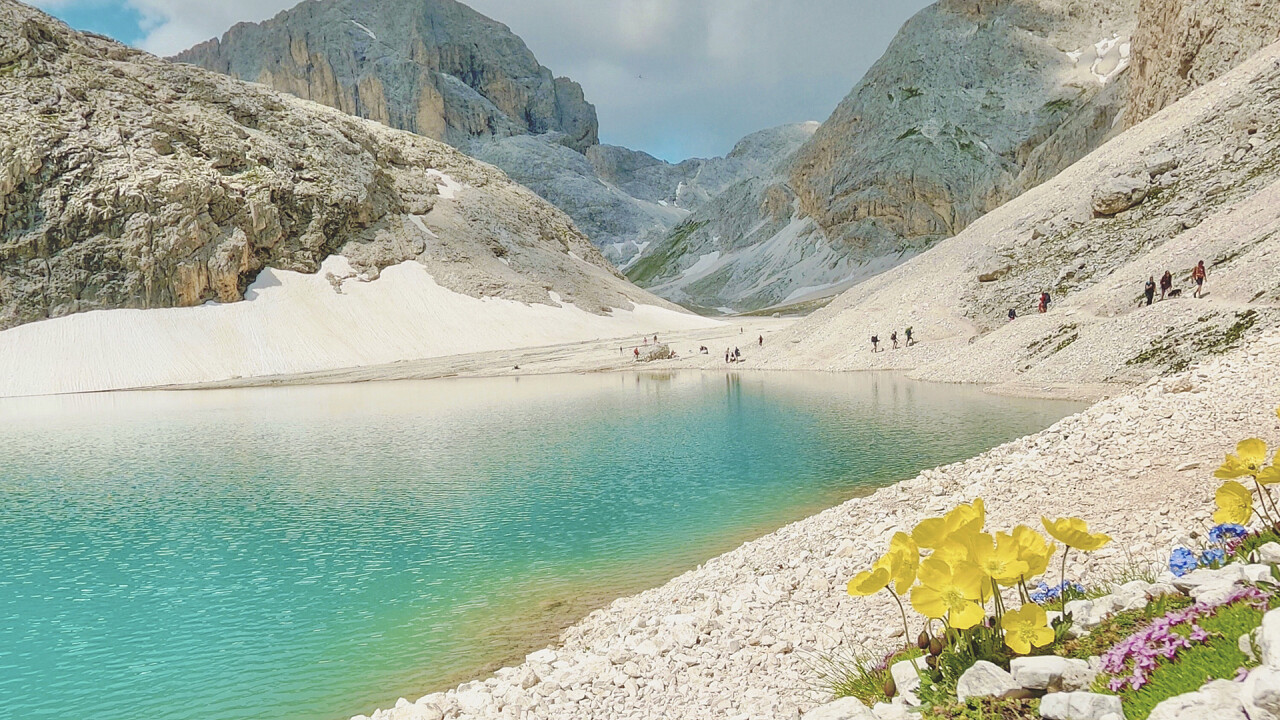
676,77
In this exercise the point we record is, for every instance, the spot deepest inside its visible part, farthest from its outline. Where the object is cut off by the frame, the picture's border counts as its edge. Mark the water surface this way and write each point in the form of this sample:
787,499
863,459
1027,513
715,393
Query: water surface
310,553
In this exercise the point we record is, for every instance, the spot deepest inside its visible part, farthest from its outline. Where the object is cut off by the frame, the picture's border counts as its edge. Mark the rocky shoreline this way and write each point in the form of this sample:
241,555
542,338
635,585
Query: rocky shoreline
738,636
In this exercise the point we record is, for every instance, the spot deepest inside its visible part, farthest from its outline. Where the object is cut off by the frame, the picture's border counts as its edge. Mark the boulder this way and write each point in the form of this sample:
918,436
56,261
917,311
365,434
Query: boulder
656,352
1260,694
1050,672
843,709
1269,639
1118,194
1219,700
1079,706
984,679
1269,554
907,679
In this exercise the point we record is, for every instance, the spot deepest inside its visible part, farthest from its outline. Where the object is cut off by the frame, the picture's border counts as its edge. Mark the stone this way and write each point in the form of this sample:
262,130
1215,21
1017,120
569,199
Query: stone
848,708
907,679
1260,693
1079,706
1269,554
1218,700
1048,672
1268,635
1115,195
891,711
984,679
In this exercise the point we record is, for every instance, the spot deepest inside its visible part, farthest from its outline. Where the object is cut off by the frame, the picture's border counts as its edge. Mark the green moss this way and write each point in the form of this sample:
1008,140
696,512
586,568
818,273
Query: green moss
985,709
1120,626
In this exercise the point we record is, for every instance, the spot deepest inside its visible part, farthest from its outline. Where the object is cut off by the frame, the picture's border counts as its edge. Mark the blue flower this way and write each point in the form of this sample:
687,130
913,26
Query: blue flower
1222,533
1182,561
1213,557
1048,593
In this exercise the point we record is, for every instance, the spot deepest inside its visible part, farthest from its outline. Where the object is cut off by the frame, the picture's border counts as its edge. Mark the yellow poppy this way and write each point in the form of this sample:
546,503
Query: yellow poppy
946,592
1026,627
869,582
998,559
1269,476
933,533
903,561
1074,533
1235,504
1247,461
1033,549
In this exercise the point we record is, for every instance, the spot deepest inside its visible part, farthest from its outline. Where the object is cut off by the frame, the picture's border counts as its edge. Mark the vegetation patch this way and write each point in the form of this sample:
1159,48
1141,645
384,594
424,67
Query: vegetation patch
985,709
659,263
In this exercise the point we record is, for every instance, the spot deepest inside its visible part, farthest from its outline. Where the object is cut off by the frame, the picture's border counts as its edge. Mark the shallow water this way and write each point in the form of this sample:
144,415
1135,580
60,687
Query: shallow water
310,553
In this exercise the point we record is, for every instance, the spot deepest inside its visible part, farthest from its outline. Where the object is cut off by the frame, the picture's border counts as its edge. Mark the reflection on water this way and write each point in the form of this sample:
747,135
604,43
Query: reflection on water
313,552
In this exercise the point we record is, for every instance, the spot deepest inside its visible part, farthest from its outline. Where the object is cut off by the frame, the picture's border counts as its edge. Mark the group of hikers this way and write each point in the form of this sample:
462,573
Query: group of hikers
1198,275
893,338
735,355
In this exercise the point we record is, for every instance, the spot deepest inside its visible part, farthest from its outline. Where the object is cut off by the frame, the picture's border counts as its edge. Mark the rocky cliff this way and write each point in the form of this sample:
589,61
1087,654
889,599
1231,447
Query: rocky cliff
1181,45
131,182
971,104
434,67
440,69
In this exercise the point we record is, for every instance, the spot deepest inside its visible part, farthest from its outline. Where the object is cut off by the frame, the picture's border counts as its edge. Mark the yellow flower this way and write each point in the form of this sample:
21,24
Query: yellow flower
948,592
998,559
903,560
869,582
1248,460
1033,549
1269,476
1235,504
1026,628
933,533
1074,533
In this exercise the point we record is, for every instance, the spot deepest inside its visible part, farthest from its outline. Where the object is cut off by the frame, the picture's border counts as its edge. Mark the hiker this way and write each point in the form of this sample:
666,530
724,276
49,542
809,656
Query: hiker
1166,284
910,341
893,337
1150,289
1198,274
726,356
637,352
761,341
737,355
1013,314
875,343
1044,302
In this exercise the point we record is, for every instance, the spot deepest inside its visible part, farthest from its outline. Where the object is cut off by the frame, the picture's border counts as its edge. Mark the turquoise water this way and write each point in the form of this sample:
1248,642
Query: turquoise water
312,553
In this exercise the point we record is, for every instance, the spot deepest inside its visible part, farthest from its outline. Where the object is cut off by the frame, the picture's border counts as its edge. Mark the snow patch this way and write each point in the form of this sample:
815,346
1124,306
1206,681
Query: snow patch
447,186
366,30
1105,59
293,323
702,266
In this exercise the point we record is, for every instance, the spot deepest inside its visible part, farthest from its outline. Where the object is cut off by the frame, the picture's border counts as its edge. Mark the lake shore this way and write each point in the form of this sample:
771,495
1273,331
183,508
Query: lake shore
738,636
616,355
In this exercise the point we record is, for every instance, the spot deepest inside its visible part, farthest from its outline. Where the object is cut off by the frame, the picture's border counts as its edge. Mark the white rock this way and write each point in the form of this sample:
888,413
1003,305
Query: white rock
545,656
907,680
1219,700
1079,706
1048,672
1269,554
891,711
984,679
843,709
1260,694
1269,639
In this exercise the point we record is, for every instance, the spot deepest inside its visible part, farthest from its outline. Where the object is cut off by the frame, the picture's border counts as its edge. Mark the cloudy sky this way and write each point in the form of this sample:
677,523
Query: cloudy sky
676,78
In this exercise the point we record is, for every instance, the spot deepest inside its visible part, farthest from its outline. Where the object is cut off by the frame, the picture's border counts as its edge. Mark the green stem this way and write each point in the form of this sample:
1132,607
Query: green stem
1263,496
906,627
1065,549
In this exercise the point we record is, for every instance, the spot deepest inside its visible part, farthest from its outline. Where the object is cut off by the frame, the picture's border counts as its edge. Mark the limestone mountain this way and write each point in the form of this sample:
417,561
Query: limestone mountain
441,69
1197,181
437,68
971,104
130,182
